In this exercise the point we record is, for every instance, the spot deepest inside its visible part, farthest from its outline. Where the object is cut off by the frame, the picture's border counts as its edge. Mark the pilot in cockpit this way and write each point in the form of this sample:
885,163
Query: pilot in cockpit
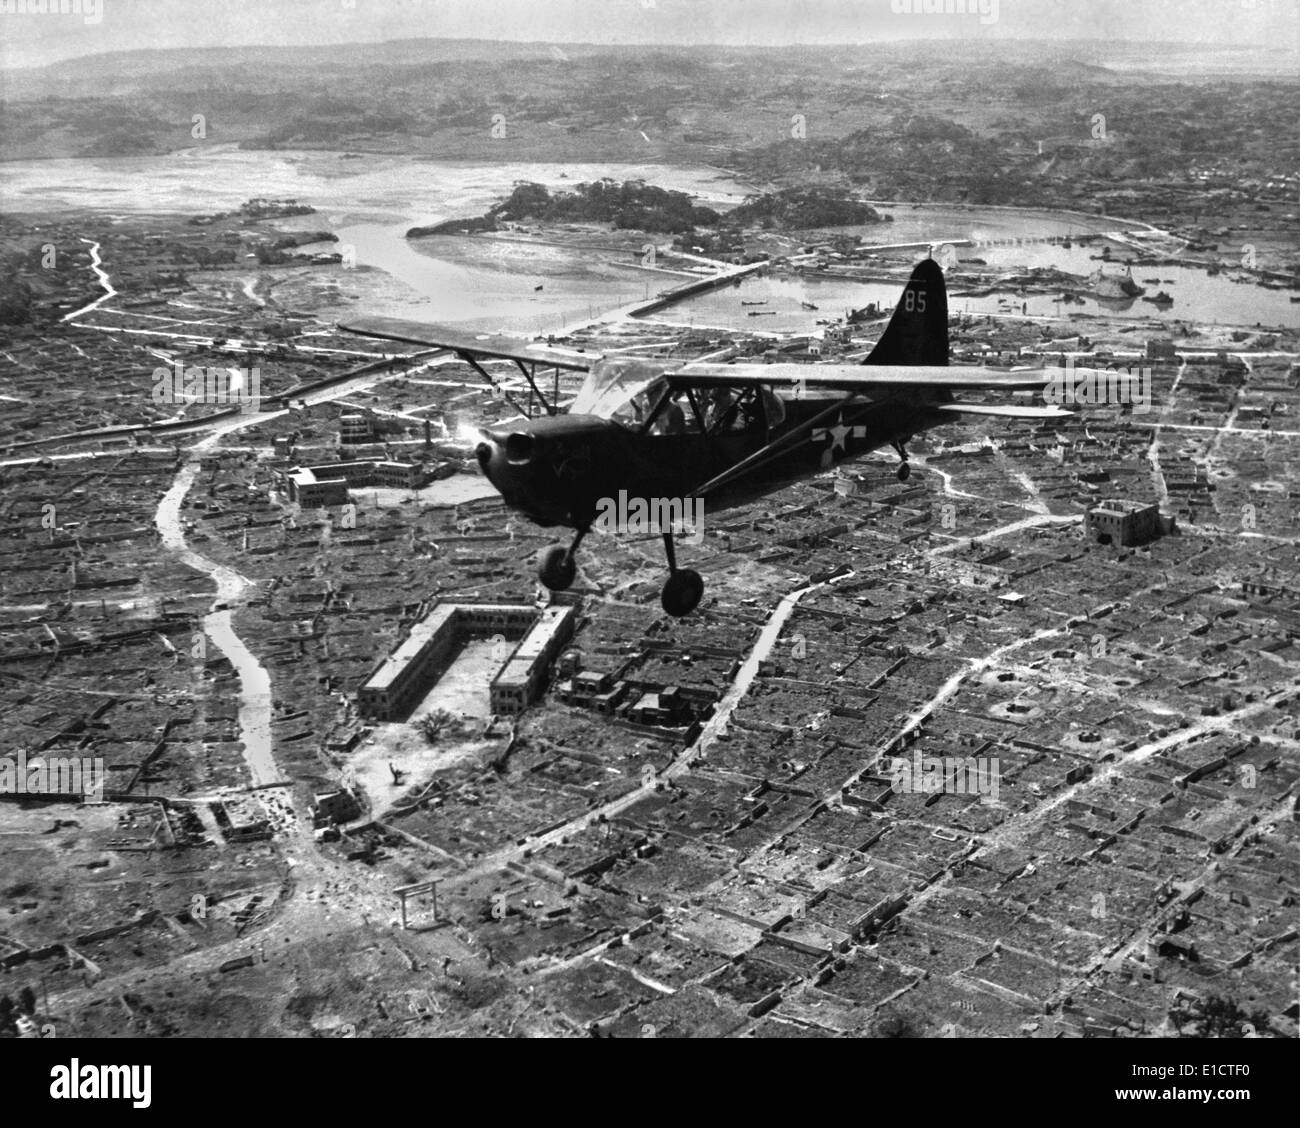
671,420
722,413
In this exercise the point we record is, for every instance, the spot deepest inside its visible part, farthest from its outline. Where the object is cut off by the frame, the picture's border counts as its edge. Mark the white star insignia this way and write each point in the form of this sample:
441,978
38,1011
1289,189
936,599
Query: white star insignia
838,434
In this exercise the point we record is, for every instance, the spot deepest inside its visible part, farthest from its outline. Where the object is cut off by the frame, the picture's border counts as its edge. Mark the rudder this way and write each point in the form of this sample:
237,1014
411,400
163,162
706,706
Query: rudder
918,331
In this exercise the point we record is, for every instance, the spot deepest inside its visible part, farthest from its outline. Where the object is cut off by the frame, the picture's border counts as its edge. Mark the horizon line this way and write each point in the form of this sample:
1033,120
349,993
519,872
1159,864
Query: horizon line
544,43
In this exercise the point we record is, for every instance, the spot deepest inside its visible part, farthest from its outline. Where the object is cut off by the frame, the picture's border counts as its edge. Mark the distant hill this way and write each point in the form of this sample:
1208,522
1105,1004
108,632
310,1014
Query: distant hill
632,204
795,208
992,122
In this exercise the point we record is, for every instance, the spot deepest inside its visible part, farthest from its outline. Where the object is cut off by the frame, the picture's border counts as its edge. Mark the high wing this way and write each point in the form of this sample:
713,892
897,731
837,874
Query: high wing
859,378
494,346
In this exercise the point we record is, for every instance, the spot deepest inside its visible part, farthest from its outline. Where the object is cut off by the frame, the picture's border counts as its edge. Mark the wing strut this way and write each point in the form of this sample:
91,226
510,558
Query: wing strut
532,383
474,364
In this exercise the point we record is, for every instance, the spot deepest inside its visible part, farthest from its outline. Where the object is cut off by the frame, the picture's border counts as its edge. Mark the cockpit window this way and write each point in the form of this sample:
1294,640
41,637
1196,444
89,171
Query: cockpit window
629,391
616,388
676,416
634,412
730,410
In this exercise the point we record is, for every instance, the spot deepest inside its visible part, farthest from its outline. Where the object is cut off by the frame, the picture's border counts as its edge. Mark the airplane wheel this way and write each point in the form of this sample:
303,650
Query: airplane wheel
556,568
904,472
682,592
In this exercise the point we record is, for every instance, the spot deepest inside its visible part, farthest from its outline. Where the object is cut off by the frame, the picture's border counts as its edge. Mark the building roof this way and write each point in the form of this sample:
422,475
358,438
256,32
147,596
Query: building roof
522,662
1122,506
421,634
544,630
448,616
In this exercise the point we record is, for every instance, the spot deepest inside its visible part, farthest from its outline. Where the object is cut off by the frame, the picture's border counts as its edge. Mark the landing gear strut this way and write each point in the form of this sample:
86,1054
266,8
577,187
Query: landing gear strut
904,471
684,588
557,566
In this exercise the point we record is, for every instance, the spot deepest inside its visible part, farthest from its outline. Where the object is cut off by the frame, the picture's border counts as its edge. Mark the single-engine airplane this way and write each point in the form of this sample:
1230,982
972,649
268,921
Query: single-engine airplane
726,433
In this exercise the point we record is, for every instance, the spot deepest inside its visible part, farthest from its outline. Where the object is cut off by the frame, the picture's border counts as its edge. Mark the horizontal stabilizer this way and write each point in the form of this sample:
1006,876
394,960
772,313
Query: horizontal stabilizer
1007,411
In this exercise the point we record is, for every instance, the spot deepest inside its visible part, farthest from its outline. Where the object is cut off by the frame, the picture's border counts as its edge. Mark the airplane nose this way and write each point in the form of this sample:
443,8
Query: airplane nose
506,460
545,468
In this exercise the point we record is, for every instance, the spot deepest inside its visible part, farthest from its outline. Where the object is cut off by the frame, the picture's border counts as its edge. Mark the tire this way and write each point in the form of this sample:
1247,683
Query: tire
556,568
683,592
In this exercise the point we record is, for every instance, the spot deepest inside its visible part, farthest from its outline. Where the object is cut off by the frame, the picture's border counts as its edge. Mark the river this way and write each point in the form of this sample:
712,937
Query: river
371,201
1198,297
254,682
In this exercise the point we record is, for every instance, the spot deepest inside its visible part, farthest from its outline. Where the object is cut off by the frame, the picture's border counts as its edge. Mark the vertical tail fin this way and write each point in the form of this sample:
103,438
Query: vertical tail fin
918,331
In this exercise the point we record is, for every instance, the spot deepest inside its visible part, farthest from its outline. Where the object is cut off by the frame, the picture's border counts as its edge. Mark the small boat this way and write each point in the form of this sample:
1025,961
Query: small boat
763,302
762,313
807,305
1296,299
1161,299
1151,281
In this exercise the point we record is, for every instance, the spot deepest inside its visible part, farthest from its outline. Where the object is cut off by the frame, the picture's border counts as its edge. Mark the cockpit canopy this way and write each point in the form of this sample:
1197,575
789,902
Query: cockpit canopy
629,391
611,385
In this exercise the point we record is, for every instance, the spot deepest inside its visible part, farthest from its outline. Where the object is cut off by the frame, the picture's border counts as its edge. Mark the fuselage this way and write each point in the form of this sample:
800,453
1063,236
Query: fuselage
556,470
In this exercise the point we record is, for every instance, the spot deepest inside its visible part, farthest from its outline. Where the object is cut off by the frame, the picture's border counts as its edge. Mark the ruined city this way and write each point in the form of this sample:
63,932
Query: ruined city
998,739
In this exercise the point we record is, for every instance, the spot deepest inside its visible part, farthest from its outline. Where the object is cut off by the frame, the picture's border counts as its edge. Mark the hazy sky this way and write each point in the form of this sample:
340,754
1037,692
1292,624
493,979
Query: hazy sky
32,37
